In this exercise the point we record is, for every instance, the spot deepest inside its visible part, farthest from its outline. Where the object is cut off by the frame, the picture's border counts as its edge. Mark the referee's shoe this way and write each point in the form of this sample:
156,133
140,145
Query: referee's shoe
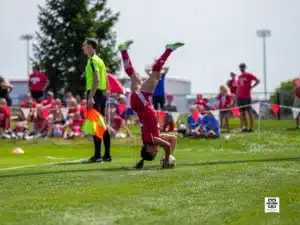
95,159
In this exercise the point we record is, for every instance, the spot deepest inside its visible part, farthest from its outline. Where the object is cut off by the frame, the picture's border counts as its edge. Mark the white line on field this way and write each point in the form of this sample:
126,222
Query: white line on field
38,165
52,157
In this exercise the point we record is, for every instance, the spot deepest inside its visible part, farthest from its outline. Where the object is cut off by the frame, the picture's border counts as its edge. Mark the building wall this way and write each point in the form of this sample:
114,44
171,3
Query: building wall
20,89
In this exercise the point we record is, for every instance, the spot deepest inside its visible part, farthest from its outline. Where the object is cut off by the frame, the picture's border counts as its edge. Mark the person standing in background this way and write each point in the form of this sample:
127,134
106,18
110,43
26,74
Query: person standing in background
96,87
297,101
5,89
233,85
244,99
158,97
38,83
169,123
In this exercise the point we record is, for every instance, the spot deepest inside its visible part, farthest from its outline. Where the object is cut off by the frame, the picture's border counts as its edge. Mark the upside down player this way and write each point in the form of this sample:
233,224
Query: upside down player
141,104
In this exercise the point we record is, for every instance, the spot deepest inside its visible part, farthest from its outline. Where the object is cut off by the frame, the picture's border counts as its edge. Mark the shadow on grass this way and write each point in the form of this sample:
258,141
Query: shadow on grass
292,129
150,167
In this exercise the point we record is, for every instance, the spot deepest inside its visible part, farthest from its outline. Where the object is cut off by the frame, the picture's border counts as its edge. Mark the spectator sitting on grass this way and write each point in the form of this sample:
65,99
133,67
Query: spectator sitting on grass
74,126
49,101
28,102
39,118
68,97
58,103
209,127
21,127
170,107
4,117
73,107
116,123
192,123
57,125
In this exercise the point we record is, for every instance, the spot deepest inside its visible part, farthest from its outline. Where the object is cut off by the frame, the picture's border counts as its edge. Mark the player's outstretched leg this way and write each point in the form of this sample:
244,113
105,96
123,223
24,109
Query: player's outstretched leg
163,58
123,48
136,80
150,84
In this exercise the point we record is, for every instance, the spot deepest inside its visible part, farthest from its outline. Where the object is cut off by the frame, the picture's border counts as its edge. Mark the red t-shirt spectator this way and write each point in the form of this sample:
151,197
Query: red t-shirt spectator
296,86
5,117
225,101
233,85
76,125
37,81
40,121
245,85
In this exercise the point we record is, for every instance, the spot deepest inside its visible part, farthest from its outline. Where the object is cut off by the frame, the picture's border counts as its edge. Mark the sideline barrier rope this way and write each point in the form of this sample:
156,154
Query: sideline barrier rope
235,110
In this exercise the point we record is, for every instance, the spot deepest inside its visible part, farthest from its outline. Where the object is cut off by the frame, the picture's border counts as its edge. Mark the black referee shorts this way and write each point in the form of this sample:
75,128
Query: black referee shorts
100,101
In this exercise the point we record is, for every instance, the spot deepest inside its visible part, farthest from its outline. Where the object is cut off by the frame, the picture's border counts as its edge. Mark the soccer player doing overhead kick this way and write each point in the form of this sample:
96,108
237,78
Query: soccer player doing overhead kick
141,104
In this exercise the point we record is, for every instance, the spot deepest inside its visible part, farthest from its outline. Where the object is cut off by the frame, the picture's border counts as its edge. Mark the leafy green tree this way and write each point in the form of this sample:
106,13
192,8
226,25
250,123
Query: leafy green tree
286,93
64,25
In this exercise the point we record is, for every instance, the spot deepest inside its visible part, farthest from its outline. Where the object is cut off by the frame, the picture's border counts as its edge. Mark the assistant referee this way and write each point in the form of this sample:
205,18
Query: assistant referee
96,86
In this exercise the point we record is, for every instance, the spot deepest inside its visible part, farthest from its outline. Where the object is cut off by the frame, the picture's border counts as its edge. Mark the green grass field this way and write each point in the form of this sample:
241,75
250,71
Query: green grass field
214,182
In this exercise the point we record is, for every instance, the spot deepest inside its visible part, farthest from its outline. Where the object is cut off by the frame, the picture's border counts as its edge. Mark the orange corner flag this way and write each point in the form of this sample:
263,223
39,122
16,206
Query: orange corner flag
94,124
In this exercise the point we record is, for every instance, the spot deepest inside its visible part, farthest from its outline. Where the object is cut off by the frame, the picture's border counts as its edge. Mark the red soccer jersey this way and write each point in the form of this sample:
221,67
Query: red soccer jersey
37,81
141,104
245,85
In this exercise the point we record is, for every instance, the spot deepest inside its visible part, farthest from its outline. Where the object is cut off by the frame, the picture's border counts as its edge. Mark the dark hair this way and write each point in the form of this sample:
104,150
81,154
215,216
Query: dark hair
1,79
243,65
36,67
147,156
92,42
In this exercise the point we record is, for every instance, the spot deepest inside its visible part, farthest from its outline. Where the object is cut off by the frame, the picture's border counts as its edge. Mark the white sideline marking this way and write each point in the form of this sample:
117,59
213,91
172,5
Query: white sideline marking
52,157
38,165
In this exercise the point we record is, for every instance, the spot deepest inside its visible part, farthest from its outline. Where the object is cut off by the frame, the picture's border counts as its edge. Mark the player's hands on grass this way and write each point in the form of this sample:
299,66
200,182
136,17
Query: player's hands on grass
139,165
166,164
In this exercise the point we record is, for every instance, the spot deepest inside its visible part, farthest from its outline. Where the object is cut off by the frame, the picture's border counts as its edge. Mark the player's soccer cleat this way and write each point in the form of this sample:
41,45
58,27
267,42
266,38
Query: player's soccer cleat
107,159
175,45
125,45
94,159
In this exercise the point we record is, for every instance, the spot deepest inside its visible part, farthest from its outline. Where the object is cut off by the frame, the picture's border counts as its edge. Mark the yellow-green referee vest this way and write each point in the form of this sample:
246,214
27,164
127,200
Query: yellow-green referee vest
95,64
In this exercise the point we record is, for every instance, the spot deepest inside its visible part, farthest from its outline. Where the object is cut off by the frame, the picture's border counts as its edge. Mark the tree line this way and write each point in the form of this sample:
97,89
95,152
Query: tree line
63,26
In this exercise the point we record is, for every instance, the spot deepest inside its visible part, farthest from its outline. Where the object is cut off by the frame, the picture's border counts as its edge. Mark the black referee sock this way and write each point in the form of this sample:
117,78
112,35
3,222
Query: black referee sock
97,146
106,139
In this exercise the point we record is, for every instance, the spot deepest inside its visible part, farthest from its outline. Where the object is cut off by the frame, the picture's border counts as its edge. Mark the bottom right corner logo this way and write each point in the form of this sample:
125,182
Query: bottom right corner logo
272,205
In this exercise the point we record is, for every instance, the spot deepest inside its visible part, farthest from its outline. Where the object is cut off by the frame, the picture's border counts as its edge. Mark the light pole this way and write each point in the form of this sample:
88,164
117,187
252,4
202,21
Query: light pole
27,38
264,33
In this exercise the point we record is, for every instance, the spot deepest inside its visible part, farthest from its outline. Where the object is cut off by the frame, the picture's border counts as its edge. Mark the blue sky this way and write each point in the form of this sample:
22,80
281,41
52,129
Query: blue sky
219,34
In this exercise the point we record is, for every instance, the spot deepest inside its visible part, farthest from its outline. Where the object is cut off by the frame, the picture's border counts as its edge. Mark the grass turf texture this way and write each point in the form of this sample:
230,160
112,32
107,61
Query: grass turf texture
214,182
